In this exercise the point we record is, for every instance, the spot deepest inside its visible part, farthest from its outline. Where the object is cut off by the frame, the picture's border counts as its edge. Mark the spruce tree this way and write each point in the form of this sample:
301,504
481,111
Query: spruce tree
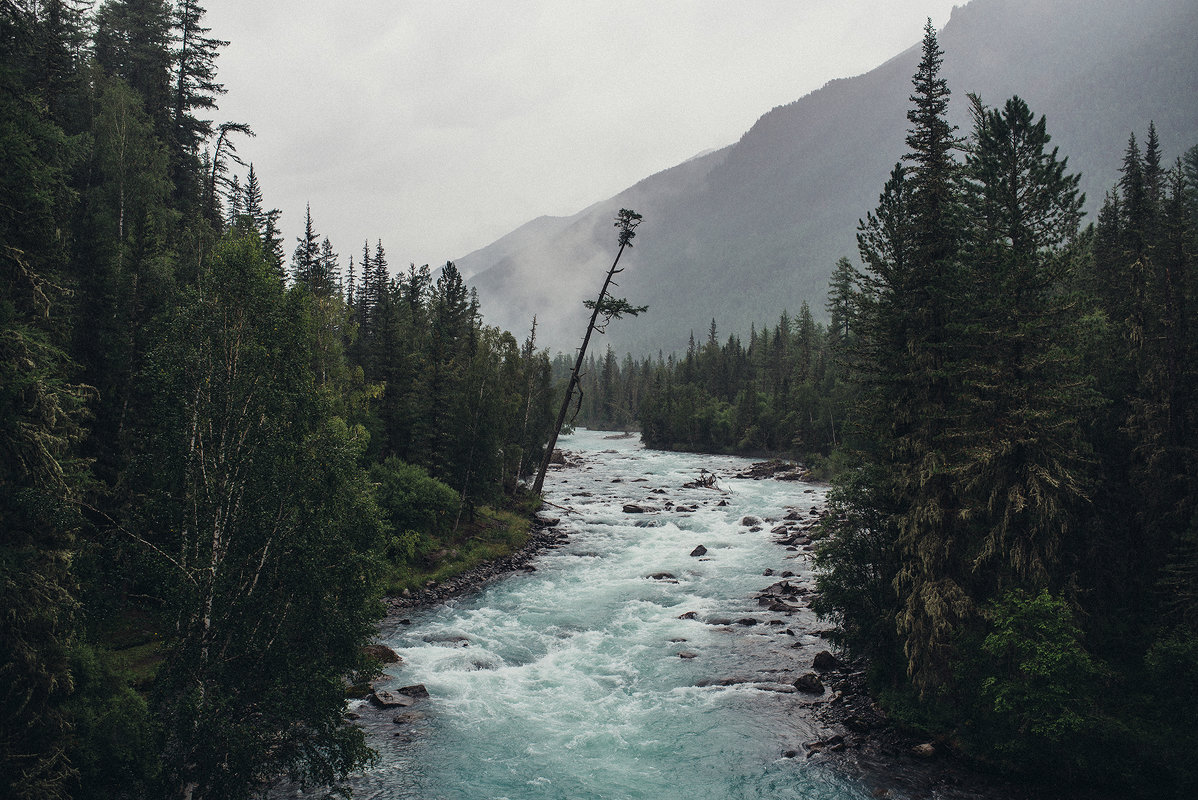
305,260
133,43
1023,473
194,88
42,412
327,282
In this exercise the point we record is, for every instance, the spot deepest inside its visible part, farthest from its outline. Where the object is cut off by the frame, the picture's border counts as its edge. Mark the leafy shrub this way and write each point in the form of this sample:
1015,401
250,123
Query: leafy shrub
1034,685
417,506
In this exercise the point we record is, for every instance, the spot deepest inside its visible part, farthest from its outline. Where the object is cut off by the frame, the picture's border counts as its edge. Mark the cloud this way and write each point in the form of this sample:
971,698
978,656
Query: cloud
439,126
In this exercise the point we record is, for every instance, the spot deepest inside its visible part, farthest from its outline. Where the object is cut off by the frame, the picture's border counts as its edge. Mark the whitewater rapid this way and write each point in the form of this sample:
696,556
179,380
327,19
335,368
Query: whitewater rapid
570,681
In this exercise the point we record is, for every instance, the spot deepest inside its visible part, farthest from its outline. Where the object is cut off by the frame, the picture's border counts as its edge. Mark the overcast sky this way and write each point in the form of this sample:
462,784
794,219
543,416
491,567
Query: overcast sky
440,125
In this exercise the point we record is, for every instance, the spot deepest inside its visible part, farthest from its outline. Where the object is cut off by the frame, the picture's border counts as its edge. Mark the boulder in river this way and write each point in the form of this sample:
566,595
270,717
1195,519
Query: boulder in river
387,699
450,639
810,684
699,551
382,653
662,576
415,690
633,508
925,750
749,521
825,661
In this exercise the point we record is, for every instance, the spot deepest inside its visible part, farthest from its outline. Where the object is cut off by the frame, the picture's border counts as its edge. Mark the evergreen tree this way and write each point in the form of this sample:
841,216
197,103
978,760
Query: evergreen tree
935,603
234,199
305,259
842,301
327,282
1023,469
41,416
133,43
367,297
194,84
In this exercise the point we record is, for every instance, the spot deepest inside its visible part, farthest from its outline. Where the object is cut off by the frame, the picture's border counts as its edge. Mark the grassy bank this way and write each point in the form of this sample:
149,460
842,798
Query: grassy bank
493,533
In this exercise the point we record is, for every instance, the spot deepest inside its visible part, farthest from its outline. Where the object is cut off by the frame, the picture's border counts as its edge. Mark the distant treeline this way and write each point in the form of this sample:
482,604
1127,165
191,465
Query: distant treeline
779,393
1010,405
211,457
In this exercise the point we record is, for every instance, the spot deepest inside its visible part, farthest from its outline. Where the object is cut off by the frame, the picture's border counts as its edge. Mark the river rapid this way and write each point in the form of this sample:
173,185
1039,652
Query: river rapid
588,677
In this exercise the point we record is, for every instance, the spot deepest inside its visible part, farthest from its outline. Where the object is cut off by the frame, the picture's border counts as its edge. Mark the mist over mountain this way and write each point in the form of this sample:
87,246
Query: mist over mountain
744,232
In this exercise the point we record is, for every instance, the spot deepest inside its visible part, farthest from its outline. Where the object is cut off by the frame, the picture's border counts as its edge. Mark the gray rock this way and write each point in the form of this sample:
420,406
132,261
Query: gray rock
699,551
809,684
386,699
686,654
749,521
382,653
925,750
825,661
456,641
415,690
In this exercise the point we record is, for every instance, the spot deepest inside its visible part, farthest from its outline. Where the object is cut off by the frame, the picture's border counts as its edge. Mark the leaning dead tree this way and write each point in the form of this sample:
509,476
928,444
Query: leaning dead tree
607,308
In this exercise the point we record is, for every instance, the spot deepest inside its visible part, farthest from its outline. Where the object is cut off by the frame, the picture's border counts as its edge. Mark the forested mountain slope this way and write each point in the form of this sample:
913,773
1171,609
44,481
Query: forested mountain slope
744,232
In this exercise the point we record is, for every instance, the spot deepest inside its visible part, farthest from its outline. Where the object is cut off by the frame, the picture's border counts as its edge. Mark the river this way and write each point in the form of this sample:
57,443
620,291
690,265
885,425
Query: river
584,679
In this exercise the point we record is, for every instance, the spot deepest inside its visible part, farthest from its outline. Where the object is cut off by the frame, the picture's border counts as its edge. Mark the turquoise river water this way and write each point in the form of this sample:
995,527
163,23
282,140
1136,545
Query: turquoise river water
566,682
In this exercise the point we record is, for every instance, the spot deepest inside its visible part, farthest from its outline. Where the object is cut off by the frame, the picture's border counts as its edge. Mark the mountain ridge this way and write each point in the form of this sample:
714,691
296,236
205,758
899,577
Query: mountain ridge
754,228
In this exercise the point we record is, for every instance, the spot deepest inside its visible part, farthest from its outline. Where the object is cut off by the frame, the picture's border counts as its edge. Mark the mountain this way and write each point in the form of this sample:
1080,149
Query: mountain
744,232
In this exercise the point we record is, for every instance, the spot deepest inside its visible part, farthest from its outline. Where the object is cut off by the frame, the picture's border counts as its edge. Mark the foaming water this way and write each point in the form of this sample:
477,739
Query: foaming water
567,682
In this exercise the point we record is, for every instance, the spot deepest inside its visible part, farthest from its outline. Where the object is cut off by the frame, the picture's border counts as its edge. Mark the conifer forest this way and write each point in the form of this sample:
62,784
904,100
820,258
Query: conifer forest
220,450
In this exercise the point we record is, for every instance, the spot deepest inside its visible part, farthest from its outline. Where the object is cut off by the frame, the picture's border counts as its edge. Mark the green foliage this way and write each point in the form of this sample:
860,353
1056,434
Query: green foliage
255,561
41,416
220,496
1036,674
614,307
856,561
1014,384
415,505
114,737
